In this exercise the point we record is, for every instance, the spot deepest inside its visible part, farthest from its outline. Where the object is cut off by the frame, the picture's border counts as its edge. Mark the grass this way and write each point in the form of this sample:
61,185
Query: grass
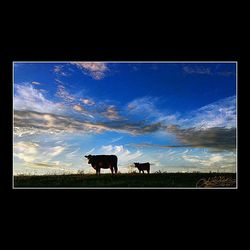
119,180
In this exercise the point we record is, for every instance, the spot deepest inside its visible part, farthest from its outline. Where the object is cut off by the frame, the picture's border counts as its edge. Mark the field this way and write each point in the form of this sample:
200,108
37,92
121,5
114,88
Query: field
136,180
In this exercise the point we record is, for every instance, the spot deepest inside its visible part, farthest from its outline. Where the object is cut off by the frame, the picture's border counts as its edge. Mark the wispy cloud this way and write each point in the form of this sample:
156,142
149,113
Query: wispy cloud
125,156
29,98
59,70
117,139
26,151
96,70
36,83
62,93
213,161
144,108
135,68
194,69
34,154
205,70
72,154
221,113
79,108
56,151
44,164
111,113
142,104
45,157
90,151
57,81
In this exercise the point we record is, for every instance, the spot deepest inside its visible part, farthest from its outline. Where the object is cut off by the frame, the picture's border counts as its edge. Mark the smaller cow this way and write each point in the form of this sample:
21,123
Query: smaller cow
142,167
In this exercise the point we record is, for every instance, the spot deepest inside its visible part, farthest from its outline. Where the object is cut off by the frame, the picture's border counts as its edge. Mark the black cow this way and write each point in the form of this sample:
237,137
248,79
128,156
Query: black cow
103,161
142,166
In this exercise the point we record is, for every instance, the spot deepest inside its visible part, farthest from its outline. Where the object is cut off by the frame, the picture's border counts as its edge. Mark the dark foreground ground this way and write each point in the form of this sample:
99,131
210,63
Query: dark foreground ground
129,180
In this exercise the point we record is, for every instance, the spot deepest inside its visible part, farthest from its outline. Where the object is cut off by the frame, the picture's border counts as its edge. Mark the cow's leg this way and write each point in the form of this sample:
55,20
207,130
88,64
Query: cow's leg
98,171
143,171
112,170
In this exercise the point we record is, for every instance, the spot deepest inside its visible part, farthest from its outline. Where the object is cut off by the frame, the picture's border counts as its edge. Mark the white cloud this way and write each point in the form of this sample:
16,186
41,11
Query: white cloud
26,151
34,152
140,105
78,107
145,108
124,155
213,161
87,101
54,151
36,83
42,158
96,70
107,148
29,98
221,113
216,158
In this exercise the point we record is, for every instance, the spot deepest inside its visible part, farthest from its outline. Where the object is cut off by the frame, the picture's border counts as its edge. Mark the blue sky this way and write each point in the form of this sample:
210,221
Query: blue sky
177,116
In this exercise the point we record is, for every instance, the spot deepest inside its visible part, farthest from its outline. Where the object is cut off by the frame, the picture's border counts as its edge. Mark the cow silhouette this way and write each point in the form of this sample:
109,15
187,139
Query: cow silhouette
103,161
142,166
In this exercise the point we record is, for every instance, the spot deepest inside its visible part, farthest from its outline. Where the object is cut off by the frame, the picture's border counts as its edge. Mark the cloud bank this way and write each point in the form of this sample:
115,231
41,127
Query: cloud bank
217,137
31,122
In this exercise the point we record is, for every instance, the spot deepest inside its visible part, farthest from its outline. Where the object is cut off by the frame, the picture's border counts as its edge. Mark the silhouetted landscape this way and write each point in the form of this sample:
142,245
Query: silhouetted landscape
108,124
161,180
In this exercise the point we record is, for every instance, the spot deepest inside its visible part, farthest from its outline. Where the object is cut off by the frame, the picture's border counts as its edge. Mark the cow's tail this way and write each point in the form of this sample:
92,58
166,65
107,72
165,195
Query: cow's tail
115,165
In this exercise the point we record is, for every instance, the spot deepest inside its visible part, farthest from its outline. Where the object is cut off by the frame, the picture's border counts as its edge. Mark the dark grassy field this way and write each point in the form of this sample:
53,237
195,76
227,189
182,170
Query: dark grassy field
119,180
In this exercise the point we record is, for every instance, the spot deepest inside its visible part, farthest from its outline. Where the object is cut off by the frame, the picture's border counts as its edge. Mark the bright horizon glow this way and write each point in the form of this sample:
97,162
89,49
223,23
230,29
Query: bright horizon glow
179,116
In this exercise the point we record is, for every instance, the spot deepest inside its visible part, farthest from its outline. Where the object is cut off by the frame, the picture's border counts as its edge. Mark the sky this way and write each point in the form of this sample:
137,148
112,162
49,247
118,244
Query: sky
180,117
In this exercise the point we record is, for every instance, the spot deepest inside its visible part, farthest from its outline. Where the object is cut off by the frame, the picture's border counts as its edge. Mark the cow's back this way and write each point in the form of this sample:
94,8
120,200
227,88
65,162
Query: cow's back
106,158
105,161
143,166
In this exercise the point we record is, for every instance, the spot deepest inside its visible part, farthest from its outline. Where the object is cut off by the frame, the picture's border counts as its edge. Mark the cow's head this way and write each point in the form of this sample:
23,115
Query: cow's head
89,157
136,164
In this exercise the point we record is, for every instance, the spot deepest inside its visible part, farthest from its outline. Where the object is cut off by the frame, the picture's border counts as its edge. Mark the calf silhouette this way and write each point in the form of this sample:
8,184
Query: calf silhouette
143,166
103,161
